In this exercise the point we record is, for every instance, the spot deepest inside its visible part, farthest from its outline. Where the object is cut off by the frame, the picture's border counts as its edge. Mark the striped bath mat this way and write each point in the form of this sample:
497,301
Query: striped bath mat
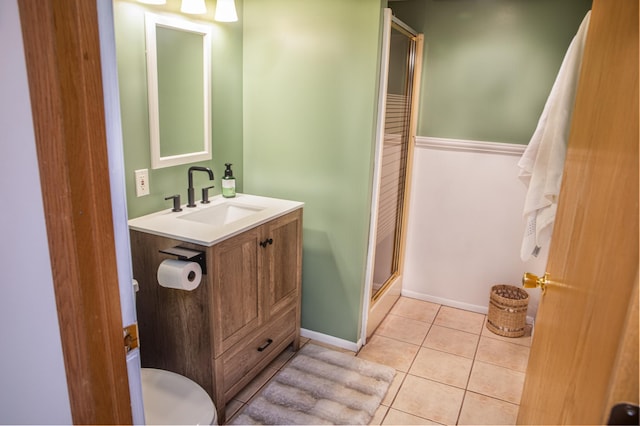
320,386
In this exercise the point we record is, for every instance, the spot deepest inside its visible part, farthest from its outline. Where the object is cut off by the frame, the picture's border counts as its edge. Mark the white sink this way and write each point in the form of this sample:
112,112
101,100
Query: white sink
222,214
208,224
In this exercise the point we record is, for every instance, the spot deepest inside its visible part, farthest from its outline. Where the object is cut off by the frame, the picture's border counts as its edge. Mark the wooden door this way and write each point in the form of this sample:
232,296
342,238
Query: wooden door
282,263
583,328
236,295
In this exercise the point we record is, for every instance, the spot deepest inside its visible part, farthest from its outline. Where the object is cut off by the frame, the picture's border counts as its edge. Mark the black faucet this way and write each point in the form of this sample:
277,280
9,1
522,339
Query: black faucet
191,202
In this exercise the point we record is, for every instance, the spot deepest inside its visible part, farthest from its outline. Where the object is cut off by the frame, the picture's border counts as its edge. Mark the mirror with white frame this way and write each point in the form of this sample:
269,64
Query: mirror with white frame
179,93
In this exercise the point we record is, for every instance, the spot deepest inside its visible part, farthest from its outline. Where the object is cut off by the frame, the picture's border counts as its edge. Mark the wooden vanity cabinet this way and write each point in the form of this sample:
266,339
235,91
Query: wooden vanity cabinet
243,314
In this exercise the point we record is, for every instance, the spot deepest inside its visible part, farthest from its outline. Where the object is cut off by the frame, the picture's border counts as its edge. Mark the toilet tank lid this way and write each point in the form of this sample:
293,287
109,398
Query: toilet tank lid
170,398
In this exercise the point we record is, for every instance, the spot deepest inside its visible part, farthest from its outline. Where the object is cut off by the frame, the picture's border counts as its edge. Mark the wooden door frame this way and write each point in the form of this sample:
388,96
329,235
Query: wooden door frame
62,53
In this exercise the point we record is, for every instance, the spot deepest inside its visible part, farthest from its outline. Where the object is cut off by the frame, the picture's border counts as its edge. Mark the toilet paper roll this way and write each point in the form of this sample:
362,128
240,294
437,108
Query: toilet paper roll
179,274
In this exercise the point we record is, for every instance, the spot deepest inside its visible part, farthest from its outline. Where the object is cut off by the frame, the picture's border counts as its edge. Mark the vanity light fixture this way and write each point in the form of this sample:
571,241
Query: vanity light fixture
193,7
226,11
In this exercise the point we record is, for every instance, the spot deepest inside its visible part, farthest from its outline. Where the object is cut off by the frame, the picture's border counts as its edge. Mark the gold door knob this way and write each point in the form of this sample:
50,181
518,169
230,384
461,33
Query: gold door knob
530,280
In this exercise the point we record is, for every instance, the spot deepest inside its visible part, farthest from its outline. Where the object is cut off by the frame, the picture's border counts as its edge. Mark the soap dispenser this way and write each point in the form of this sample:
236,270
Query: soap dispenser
228,183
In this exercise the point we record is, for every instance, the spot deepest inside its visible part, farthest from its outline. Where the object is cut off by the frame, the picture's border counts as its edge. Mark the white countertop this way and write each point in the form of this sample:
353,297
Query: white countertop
176,225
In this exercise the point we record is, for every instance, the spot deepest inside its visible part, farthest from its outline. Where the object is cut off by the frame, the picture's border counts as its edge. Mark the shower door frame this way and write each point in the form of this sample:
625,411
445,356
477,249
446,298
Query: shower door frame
375,308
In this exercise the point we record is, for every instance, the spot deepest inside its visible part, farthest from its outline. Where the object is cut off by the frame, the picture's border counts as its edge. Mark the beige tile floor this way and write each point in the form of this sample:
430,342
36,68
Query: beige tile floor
450,369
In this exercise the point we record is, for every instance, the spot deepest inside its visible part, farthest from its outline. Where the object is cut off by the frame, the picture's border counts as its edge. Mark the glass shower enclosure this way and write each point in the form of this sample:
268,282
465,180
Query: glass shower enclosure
395,136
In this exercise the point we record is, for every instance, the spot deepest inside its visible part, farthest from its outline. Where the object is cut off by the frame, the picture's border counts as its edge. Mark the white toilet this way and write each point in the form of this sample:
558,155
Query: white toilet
170,398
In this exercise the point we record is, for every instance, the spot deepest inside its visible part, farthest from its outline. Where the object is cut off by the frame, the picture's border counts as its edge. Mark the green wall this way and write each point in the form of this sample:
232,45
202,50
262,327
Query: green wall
226,120
310,94
489,65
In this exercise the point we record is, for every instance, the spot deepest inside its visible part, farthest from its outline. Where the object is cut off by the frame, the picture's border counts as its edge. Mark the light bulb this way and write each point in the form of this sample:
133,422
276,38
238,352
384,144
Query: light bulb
226,11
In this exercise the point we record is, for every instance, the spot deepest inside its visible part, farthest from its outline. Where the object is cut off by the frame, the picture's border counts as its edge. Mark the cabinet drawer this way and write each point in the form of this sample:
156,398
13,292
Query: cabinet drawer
245,355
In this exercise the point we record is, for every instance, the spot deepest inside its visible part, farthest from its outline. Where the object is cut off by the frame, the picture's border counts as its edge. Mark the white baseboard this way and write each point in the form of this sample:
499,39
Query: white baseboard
447,302
330,340
452,303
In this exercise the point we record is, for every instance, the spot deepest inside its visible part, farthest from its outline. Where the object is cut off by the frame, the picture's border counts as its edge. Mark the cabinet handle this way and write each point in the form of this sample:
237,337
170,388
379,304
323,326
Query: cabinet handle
266,344
266,242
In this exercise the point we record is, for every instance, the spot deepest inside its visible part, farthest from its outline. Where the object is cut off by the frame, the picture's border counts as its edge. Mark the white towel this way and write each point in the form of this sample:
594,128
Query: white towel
542,163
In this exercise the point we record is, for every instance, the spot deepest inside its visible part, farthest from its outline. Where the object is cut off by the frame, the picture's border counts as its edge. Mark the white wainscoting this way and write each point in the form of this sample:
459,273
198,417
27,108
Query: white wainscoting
465,224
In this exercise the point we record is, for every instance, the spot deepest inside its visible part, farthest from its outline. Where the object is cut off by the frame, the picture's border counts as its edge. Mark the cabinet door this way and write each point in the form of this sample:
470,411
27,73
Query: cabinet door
282,257
235,291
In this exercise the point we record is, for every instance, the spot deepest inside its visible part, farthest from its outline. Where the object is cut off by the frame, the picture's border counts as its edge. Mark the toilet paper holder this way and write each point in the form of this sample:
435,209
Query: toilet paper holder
188,254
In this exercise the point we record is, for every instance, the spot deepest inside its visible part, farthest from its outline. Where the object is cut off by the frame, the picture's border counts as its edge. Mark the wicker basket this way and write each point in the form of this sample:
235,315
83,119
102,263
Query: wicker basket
507,310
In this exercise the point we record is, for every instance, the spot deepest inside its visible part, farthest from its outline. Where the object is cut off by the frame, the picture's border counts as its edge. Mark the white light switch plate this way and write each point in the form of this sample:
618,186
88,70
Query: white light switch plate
142,182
